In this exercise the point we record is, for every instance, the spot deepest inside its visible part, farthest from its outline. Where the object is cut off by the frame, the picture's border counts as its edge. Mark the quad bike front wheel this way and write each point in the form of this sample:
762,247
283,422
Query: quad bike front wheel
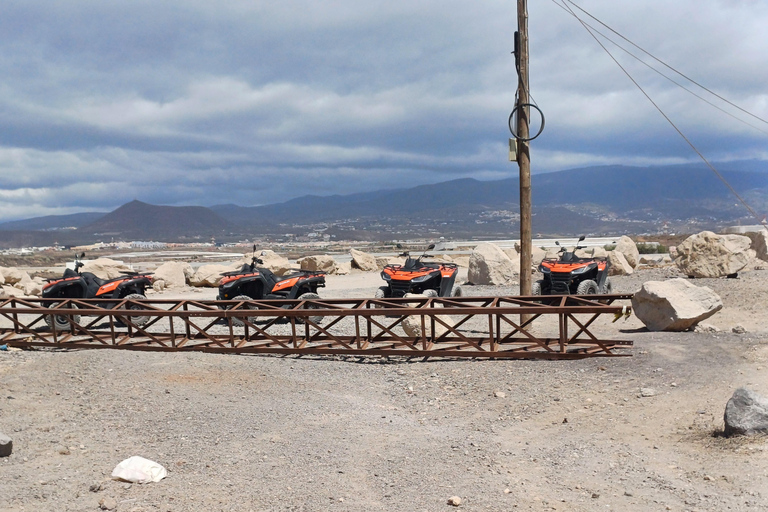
136,320
457,292
587,287
608,286
61,322
316,319
429,293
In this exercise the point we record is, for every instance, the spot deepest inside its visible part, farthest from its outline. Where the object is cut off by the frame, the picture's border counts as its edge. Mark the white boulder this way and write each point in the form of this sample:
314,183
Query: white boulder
210,275
12,275
105,268
490,266
279,265
318,262
674,305
707,254
628,248
619,266
172,274
760,243
363,261
412,324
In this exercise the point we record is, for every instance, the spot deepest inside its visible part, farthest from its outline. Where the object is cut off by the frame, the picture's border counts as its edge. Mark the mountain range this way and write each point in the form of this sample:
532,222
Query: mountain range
595,200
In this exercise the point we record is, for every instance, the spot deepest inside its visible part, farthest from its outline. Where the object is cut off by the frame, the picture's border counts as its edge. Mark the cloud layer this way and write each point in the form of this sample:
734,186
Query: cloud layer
256,102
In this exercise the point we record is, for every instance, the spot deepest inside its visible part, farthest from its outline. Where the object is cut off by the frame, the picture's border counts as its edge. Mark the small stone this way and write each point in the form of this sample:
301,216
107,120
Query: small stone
95,487
646,392
565,420
708,478
628,493
499,394
454,501
63,450
595,495
739,329
507,491
107,504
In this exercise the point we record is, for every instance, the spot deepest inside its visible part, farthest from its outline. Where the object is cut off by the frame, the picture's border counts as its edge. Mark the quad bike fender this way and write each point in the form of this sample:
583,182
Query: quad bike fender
71,287
119,289
602,273
446,283
308,285
251,285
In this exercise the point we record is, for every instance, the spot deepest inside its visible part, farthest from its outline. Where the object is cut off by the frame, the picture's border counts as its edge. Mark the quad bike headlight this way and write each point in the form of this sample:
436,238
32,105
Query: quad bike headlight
386,276
581,270
421,279
543,269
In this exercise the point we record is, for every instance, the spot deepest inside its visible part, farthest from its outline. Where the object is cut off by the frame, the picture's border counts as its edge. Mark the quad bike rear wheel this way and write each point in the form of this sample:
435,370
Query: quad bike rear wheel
238,322
587,287
61,322
457,292
136,320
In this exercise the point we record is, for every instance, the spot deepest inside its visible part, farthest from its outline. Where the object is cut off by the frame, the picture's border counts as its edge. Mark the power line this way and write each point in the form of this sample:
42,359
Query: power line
662,62
695,149
662,74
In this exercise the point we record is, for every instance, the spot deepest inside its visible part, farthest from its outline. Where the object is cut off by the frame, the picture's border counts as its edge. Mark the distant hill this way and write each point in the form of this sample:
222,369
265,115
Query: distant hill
52,222
142,221
603,200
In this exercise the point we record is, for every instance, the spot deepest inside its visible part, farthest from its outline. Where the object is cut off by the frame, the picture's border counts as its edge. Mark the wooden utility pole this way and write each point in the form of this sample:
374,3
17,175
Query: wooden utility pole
523,154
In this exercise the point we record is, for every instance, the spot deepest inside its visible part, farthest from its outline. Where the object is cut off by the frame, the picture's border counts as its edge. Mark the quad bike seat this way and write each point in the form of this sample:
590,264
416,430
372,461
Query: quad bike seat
70,273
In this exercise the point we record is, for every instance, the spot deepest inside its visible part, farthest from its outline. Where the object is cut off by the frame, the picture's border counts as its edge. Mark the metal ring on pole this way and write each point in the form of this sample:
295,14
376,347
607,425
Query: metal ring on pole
512,115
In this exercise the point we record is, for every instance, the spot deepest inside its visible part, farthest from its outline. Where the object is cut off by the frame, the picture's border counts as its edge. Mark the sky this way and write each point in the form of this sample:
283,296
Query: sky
252,102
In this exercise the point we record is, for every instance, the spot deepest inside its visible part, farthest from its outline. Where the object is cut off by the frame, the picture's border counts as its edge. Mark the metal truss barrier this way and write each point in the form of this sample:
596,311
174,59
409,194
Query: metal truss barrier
550,327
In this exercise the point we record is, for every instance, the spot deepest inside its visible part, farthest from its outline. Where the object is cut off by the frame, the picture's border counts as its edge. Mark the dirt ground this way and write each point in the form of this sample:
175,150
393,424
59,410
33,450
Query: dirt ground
257,433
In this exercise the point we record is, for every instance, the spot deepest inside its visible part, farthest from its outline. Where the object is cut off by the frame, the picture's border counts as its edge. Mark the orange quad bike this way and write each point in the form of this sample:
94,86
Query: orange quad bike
571,275
86,285
252,282
433,279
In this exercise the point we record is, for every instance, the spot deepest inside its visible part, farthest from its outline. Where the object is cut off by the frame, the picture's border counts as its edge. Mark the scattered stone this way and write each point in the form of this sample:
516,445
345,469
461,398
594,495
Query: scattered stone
746,413
705,328
454,501
363,261
107,504
96,487
674,305
489,265
707,254
628,248
499,394
739,329
647,392
6,445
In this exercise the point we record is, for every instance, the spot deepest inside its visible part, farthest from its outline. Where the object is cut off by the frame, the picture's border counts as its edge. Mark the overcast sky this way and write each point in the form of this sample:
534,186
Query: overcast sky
252,102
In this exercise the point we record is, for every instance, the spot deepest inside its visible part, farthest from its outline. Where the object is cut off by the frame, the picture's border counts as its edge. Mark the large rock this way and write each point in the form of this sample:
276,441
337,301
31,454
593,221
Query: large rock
489,265
6,445
746,414
707,254
321,262
279,265
363,261
514,257
412,324
628,248
173,274
592,252
619,264
210,275
760,243
31,287
12,275
674,305
105,268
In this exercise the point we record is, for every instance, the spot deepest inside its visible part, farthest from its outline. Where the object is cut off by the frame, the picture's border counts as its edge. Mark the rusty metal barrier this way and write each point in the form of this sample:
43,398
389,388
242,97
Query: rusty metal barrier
556,327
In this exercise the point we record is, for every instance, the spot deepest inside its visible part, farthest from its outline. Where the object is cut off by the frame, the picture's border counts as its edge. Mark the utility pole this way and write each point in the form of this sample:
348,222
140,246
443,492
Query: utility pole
523,154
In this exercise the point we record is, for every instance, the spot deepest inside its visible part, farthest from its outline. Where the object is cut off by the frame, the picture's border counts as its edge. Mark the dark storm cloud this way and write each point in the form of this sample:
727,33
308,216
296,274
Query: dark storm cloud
248,102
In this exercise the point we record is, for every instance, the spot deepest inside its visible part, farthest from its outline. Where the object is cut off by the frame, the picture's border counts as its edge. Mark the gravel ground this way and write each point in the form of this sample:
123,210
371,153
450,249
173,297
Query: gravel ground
305,433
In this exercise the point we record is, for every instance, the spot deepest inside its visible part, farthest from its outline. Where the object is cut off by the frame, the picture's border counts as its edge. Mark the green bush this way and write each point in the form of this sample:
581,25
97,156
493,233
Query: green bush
609,247
651,249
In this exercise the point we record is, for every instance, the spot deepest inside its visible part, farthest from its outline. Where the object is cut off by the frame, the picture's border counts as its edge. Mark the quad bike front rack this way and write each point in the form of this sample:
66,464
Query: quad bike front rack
555,327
